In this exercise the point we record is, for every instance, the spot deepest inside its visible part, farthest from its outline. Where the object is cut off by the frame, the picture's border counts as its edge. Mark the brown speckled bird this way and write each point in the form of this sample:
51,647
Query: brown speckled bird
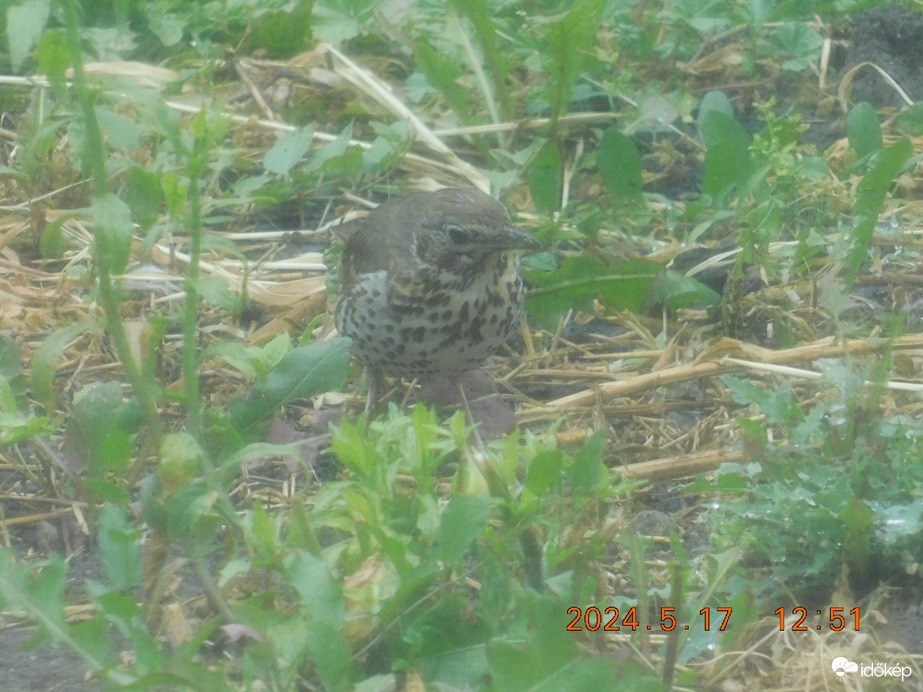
428,284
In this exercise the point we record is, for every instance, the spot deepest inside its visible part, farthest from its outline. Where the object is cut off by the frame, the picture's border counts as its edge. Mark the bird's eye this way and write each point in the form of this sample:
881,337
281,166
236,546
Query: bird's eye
458,236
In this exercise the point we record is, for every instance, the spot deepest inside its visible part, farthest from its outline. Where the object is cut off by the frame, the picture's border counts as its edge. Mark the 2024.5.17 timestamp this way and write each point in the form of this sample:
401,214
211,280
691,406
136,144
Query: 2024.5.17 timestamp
837,619
592,618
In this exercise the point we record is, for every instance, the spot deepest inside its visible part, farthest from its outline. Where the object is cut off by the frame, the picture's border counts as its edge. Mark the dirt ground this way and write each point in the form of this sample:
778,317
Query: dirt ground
892,38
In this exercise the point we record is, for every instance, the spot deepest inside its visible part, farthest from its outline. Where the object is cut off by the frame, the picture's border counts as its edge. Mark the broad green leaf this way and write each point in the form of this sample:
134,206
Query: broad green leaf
53,243
39,592
588,467
331,151
114,229
462,522
53,58
544,472
15,428
496,63
870,198
676,291
175,193
119,544
621,285
11,372
43,369
122,133
180,460
288,151
190,512
282,32
620,166
331,655
543,174
712,101
24,24
318,590
265,537
102,429
165,25
568,42
546,657
215,290
302,372
336,21
727,158
864,131
911,120
799,45
144,196
443,73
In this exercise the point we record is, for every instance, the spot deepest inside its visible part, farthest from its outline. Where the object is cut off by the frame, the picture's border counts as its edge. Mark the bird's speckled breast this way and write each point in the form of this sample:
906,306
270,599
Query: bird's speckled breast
431,329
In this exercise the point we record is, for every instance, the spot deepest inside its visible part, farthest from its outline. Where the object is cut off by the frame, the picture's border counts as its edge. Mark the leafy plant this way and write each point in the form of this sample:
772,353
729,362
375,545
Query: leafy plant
821,498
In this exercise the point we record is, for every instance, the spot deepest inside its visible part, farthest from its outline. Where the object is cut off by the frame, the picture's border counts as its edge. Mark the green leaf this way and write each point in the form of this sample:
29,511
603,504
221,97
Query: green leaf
318,590
114,230
333,150
263,533
215,290
620,167
870,198
190,512
144,196
38,590
24,24
331,655
864,131
282,32
567,42
97,409
288,150
798,43
911,119
53,56
53,243
166,26
122,132
727,158
8,403
43,371
548,659
588,467
175,193
302,372
462,522
180,460
496,63
712,101
544,471
11,371
336,21
676,291
119,544
543,175
621,285
443,73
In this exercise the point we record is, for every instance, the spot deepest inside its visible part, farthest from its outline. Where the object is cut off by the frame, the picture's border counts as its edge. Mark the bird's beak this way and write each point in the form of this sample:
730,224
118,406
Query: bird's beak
512,238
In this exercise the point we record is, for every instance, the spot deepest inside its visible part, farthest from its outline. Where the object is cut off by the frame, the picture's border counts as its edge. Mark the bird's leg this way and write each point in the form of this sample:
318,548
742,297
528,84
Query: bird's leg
376,386
478,442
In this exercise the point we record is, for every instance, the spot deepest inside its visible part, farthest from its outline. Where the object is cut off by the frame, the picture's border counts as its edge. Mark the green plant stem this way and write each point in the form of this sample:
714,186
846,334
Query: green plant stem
484,31
191,311
94,160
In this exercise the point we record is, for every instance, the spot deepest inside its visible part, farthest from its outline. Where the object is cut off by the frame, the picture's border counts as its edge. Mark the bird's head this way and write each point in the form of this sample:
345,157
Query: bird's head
463,232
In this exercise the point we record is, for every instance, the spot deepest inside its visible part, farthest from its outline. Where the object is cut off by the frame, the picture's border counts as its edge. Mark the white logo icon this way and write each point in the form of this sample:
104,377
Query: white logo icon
842,665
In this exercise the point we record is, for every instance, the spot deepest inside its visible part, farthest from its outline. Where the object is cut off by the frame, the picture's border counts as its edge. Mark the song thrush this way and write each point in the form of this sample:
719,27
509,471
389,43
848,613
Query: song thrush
428,285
